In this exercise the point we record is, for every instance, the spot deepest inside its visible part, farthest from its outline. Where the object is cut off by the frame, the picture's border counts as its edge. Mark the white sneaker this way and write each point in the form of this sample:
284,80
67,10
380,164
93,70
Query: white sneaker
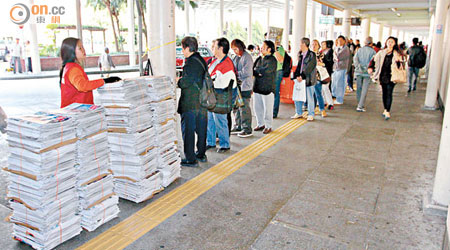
310,118
338,103
296,116
360,109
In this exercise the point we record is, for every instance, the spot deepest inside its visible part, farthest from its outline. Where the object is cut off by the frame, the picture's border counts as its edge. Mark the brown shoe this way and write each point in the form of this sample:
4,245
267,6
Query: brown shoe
260,128
267,130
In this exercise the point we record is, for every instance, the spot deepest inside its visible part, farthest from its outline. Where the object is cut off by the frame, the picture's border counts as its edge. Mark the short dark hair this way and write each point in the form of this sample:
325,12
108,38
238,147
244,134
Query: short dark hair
190,42
415,40
250,47
239,44
223,42
330,44
270,45
306,41
343,37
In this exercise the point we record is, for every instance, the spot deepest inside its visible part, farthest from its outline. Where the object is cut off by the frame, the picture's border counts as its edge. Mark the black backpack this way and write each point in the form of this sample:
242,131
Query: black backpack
287,65
420,59
207,95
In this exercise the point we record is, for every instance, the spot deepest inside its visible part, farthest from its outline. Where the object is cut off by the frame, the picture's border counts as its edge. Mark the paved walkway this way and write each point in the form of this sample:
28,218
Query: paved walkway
349,181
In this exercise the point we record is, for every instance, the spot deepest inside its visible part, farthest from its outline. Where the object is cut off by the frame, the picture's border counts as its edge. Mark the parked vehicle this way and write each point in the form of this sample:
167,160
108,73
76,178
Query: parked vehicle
205,52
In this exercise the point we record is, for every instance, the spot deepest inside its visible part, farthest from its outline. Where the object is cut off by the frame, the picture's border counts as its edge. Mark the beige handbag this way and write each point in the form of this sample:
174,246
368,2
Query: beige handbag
398,73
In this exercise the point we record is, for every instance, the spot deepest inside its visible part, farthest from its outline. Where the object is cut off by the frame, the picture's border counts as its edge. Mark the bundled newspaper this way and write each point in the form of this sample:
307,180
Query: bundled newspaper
42,179
95,183
131,137
159,88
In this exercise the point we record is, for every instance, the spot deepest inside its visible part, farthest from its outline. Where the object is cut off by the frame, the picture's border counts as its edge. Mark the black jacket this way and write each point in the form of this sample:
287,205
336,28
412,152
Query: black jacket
309,71
193,73
328,60
265,70
413,51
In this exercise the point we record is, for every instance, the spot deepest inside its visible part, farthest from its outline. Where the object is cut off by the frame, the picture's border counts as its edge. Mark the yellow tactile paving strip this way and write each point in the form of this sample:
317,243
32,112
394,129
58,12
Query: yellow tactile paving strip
138,224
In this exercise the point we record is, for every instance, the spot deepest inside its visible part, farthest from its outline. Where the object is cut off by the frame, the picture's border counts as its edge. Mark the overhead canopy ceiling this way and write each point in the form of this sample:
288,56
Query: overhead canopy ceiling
401,14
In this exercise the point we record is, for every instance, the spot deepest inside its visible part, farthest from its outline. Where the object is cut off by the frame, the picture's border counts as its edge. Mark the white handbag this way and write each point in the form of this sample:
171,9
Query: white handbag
299,93
323,73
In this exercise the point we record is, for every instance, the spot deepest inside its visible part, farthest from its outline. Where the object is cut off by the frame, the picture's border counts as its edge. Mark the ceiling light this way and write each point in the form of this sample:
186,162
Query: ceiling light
398,14
394,9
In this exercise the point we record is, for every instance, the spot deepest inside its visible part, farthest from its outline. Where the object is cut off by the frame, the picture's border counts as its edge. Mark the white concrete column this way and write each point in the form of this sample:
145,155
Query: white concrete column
365,29
380,33
397,33
35,57
435,70
299,29
331,32
249,32
390,31
313,21
162,36
446,64
79,27
186,15
268,21
131,49
347,22
221,18
286,25
441,189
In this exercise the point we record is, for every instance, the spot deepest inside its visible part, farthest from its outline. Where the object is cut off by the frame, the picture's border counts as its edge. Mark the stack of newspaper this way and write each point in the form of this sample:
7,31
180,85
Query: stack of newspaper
131,136
98,203
127,106
159,88
161,92
42,179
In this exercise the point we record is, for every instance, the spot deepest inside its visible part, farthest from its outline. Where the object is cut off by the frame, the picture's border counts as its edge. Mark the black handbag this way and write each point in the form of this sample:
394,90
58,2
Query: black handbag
148,68
207,95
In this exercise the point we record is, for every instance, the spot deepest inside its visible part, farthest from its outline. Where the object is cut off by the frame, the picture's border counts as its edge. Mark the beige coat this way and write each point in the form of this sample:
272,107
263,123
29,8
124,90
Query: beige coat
379,60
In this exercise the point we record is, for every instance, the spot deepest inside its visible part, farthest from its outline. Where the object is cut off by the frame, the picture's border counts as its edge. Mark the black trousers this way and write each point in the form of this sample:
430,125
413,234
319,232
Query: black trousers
388,90
194,122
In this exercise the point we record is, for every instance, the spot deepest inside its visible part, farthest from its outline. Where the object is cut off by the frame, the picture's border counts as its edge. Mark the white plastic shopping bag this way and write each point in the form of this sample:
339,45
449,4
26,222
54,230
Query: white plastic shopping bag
299,93
323,73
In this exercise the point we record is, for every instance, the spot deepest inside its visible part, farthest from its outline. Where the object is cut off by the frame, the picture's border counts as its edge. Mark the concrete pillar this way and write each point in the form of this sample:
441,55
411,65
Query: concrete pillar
446,64
435,70
79,27
390,31
221,18
441,189
249,33
131,49
397,33
347,22
268,21
430,39
162,36
35,57
380,33
331,35
286,25
186,15
365,29
313,21
299,29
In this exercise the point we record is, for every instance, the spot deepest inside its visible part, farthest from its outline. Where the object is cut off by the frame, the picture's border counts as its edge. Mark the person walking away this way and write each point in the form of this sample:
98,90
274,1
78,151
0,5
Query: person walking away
16,56
194,117
417,59
318,86
73,81
352,49
28,57
221,70
306,70
341,58
105,62
264,71
243,64
279,55
381,68
362,60
327,62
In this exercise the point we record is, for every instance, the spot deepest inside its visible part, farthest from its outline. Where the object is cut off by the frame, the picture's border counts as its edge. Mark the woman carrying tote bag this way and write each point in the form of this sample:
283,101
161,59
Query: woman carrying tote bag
387,70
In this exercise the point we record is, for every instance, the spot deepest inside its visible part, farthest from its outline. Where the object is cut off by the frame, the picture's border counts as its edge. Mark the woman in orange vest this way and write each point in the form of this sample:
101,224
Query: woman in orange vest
73,81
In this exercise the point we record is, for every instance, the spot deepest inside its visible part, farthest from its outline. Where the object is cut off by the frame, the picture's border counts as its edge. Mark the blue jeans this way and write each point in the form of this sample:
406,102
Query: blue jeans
319,97
413,71
276,104
309,100
339,84
218,123
194,122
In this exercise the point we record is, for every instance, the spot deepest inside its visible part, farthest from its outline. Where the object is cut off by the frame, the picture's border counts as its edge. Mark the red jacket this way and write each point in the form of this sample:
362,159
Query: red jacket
76,87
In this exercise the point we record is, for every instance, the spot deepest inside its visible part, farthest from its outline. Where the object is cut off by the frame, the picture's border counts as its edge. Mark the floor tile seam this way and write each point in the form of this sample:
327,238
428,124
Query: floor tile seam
312,232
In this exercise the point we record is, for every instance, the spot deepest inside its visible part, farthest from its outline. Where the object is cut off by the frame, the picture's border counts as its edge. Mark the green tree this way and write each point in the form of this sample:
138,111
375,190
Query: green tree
257,33
235,31
180,4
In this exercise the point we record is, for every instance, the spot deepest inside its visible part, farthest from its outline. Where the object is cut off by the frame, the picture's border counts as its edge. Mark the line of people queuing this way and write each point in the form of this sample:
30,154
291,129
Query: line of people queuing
245,77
